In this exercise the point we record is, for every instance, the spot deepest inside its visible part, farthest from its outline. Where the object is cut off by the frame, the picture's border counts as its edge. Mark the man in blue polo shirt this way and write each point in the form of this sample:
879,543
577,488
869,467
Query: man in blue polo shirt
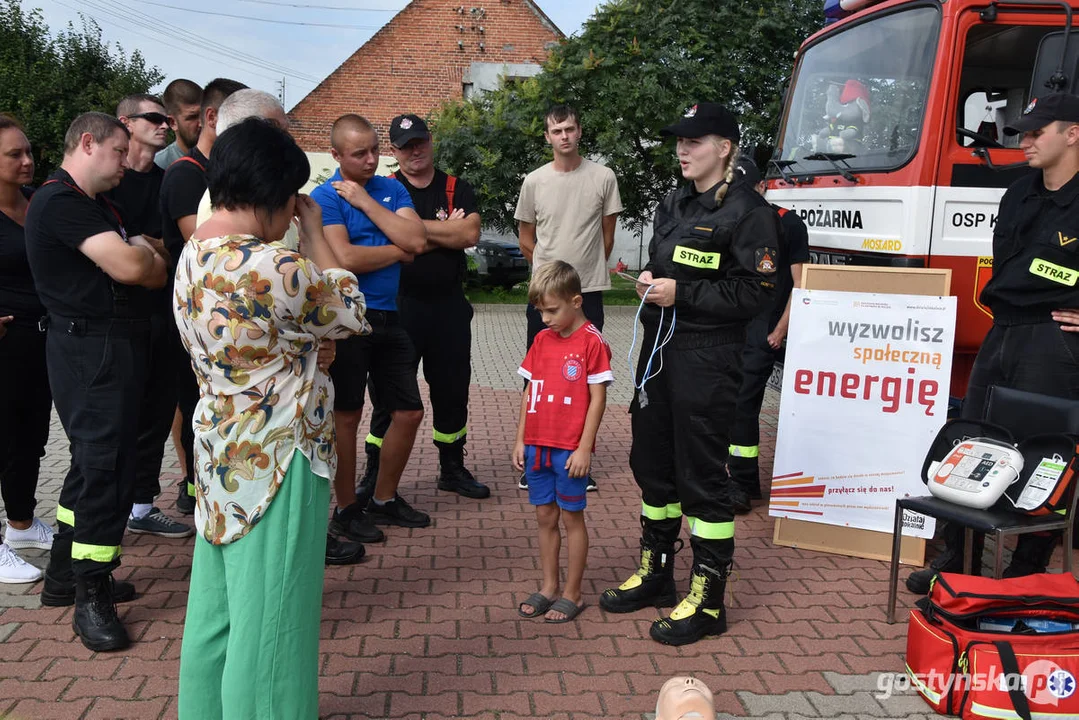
372,225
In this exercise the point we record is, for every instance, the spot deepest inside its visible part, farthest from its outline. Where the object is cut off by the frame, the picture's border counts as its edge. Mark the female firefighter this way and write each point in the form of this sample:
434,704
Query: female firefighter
712,264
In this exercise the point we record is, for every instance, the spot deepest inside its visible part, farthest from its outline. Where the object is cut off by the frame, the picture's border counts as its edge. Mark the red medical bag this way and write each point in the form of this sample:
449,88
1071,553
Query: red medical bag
1025,668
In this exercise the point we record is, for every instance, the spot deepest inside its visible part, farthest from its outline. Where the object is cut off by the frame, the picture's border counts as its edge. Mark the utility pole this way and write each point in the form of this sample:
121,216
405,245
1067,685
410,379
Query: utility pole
281,91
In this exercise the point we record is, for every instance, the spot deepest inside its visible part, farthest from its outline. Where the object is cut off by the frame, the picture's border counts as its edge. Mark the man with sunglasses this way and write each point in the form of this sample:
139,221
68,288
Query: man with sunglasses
137,197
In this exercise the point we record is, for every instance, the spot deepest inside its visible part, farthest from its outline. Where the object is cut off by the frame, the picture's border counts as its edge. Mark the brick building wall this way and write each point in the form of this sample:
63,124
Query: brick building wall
420,59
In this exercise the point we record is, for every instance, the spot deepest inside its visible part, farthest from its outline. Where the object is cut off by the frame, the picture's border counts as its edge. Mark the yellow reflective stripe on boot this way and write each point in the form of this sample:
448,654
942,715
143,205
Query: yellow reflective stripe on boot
746,451
711,530
65,516
372,440
191,489
441,437
97,553
666,512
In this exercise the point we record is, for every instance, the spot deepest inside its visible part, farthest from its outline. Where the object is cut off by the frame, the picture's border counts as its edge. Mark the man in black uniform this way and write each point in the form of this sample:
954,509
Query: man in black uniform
1034,297
137,197
181,191
764,338
84,267
433,307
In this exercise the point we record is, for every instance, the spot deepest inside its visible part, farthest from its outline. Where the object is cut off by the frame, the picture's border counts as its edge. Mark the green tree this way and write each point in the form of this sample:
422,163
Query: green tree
48,81
634,68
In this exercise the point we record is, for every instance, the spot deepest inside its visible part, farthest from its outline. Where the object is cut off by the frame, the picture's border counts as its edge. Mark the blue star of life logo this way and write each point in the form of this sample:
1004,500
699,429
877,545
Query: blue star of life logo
1061,684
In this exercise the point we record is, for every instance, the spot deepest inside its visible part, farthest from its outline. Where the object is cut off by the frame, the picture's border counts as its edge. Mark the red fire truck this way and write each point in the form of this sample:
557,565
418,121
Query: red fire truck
891,145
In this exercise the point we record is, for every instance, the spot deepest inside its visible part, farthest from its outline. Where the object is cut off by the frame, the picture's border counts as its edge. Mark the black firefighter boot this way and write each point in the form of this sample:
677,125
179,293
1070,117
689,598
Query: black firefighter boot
652,585
701,613
452,473
950,560
59,587
1032,554
95,620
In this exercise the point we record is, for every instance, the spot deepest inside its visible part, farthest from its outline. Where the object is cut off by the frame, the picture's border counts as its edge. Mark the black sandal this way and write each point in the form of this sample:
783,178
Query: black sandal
539,602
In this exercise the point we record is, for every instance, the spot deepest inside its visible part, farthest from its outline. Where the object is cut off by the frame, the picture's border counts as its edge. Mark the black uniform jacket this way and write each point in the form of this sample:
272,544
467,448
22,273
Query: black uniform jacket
723,258
1035,252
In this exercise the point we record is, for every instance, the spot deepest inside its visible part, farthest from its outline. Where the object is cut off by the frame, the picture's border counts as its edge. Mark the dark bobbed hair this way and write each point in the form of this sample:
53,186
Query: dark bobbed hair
9,121
255,164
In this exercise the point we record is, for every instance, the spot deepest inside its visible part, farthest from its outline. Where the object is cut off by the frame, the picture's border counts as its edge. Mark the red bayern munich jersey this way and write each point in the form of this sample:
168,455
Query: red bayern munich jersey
559,371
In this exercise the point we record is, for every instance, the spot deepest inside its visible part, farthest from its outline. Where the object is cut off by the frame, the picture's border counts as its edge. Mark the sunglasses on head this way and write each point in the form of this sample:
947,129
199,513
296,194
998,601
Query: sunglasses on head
154,117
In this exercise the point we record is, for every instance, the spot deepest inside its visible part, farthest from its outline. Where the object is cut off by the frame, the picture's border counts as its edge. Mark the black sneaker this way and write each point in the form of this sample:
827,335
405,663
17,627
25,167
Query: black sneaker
185,504
523,482
355,524
591,486
397,512
343,553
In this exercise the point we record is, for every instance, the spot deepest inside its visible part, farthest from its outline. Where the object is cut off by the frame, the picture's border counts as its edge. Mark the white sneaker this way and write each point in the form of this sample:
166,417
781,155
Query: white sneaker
13,569
38,536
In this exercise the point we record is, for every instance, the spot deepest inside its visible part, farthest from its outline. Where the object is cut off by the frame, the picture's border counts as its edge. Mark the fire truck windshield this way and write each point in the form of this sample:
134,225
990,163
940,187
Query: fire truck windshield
858,97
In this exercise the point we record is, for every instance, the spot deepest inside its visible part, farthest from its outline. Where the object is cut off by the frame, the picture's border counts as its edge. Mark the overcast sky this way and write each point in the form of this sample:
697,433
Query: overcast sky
182,39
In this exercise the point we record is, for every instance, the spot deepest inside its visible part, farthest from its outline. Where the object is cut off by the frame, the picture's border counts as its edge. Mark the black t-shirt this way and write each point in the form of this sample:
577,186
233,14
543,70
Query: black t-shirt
793,249
441,271
138,198
61,217
181,191
18,296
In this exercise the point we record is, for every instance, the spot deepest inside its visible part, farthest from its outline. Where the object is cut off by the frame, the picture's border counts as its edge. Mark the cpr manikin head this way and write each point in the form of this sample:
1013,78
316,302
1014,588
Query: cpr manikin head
685,698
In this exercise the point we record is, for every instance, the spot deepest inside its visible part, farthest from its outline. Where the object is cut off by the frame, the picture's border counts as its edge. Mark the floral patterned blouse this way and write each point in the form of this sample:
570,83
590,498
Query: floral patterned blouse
251,315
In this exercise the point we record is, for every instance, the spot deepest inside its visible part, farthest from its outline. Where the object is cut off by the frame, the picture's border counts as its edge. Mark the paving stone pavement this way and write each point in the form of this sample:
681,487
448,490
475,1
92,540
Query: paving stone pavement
427,626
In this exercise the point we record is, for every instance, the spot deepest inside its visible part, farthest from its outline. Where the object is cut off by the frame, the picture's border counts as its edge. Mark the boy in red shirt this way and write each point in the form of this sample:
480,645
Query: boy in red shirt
568,369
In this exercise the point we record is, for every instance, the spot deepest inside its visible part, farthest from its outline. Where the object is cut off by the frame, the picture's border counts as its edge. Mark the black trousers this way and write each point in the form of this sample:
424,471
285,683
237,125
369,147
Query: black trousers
441,334
680,436
186,388
758,359
97,370
592,307
1038,358
157,409
24,418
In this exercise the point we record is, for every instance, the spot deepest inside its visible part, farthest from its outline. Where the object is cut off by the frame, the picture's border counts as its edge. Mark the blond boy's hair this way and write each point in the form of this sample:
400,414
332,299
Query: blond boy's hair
557,278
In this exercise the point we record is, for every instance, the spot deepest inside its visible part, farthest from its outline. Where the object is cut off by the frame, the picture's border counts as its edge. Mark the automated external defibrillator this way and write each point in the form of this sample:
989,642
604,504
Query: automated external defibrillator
976,464
975,473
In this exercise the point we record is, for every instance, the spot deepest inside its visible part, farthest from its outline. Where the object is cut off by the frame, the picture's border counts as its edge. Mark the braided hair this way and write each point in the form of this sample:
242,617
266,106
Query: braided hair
728,177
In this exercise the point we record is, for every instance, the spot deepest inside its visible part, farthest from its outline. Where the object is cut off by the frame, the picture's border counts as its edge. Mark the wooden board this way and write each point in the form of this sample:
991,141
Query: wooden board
856,542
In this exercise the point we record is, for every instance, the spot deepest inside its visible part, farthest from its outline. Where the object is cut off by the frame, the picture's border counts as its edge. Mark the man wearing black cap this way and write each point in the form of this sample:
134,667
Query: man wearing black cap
433,307
764,338
1034,297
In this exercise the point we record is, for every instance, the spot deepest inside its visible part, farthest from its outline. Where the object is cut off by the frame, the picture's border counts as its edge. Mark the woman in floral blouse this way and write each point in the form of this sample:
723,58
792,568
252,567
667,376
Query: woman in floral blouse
251,313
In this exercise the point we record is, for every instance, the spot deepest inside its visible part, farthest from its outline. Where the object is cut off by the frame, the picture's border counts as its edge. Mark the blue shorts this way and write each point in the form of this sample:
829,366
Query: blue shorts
550,482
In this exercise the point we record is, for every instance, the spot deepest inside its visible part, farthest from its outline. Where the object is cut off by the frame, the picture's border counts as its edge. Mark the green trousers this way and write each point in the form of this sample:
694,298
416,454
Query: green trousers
250,647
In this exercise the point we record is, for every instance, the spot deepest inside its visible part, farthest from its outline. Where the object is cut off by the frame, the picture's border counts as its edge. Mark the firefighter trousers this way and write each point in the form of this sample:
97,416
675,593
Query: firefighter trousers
97,370
680,423
441,332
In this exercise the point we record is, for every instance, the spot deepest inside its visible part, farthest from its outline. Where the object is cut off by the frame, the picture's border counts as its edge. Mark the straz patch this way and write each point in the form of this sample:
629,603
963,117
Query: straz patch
1056,273
696,258
765,258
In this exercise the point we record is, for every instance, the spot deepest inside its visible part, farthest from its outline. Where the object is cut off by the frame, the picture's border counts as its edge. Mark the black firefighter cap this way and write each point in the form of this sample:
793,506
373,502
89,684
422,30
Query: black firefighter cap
1044,110
705,118
407,127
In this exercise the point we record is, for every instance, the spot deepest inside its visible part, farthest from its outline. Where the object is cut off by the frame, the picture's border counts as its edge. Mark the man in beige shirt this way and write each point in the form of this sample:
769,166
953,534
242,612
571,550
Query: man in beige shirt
568,210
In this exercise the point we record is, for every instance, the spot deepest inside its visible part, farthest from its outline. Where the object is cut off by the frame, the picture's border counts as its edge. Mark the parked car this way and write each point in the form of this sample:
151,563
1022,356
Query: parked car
496,262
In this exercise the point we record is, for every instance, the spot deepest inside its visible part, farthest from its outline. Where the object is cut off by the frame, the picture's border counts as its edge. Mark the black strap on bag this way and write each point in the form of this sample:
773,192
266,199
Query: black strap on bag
1010,665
